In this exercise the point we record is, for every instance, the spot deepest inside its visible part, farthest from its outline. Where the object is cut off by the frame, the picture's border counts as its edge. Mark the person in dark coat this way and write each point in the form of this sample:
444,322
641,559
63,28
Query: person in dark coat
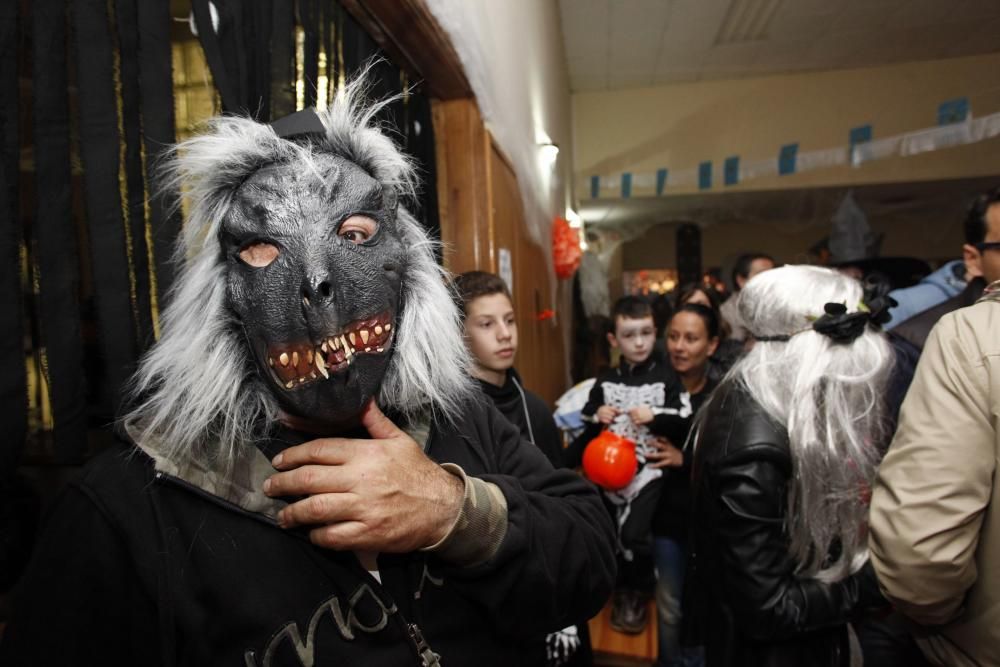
692,338
784,460
309,476
491,335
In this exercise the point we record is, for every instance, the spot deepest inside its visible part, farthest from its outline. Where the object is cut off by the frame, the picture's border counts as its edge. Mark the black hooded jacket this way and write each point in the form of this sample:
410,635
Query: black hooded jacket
137,567
527,411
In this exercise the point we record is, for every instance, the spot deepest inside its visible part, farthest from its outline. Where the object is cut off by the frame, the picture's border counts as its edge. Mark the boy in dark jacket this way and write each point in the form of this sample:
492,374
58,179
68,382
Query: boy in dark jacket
491,335
627,400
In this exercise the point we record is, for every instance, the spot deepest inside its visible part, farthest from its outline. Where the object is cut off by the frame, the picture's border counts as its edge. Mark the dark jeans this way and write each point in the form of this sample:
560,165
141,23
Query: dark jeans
671,556
635,536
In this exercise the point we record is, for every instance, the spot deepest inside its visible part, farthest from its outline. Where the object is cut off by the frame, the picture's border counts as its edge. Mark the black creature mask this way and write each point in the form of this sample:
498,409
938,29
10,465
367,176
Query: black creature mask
314,277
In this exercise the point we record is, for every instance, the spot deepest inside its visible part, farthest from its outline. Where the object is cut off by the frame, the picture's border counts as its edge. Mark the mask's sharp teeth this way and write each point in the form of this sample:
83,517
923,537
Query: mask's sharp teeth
321,366
270,361
335,342
378,329
379,349
351,337
295,358
322,347
364,335
388,326
309,356
283,358
347,348
289,384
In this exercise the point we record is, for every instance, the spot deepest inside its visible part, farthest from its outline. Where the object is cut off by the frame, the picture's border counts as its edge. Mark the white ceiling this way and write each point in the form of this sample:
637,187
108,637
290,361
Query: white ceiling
612,44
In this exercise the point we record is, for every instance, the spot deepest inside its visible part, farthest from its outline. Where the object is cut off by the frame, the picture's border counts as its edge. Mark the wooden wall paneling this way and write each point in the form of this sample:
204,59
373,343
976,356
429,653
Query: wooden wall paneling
463,183
540,357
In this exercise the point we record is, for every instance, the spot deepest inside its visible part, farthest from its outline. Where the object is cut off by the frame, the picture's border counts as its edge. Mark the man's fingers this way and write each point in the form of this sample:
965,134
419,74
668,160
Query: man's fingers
319,509
322,451
344,535
309,479
379,426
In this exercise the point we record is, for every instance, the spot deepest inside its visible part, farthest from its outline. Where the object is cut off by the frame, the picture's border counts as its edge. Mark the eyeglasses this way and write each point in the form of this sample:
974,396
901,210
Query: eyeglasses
988,245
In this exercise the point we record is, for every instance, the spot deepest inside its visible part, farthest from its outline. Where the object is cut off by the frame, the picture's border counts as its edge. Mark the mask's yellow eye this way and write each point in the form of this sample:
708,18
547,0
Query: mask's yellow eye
259,254
357,228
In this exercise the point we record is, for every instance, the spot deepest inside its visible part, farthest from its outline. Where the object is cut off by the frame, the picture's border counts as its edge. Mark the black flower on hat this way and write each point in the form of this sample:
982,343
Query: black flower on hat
877,302
839,325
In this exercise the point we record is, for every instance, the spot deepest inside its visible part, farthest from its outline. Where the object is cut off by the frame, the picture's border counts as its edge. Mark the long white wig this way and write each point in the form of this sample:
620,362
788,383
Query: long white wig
196,393
829,397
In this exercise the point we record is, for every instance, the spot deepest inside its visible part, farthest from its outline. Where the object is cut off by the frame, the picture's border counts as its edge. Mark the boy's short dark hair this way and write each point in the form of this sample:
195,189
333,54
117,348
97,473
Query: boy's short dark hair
471,285
632,307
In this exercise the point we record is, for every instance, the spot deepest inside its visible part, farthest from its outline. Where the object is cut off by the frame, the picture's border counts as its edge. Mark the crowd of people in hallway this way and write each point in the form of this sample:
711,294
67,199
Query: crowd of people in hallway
829,497
806,492
815,456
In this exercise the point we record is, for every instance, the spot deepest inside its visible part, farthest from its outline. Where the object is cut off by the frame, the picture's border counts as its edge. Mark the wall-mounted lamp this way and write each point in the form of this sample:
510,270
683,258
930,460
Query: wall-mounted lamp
574,219
549,152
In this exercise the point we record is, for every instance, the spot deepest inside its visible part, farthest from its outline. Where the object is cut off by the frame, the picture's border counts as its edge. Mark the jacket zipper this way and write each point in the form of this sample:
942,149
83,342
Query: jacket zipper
428,658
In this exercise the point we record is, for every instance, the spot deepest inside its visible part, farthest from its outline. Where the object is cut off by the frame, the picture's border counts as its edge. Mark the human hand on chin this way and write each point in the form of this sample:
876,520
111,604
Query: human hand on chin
382,494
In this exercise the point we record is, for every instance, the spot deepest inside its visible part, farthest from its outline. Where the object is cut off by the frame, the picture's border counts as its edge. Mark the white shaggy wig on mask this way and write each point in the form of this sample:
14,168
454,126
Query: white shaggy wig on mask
828,396
196,393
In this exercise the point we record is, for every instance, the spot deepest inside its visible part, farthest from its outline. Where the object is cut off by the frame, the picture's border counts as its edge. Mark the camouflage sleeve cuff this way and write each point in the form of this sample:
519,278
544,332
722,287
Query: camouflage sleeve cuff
480,526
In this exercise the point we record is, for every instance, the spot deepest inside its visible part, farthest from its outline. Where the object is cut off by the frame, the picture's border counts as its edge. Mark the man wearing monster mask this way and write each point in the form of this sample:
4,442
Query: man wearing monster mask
309,331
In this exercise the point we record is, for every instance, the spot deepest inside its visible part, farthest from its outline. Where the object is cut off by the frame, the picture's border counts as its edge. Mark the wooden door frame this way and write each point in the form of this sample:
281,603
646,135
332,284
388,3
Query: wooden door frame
409,33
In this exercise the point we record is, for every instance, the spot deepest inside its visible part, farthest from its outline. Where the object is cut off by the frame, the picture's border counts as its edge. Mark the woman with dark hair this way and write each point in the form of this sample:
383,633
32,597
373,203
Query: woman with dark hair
698,293
692,336
729,350
784,459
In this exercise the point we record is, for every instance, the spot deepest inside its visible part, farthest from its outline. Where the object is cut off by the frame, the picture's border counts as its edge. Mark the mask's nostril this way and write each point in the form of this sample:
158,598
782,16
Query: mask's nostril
325,289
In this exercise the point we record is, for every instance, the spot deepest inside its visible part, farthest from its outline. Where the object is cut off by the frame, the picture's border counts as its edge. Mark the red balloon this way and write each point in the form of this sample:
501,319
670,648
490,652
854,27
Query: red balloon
609,461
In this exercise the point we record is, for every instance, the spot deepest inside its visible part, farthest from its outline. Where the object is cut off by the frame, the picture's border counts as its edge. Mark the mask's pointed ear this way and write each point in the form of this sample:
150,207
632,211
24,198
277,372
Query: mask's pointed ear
301,124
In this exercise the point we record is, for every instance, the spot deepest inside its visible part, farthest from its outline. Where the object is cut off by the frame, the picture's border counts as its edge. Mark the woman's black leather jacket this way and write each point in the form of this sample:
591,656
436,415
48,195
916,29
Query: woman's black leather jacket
748,605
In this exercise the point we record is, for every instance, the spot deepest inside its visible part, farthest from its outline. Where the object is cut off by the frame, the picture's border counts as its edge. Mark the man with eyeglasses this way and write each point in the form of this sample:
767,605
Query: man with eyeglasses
934,523
981,255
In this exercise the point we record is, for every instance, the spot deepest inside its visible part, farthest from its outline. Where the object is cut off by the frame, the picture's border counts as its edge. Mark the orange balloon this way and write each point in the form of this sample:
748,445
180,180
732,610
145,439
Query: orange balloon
609,461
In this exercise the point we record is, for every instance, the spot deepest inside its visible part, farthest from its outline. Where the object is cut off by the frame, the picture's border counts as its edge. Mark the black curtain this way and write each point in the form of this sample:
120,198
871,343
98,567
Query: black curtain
13,388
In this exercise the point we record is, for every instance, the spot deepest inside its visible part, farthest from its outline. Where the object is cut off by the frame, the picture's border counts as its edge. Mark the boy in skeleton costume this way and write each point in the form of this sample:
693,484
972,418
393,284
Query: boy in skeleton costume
308,303
636,400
